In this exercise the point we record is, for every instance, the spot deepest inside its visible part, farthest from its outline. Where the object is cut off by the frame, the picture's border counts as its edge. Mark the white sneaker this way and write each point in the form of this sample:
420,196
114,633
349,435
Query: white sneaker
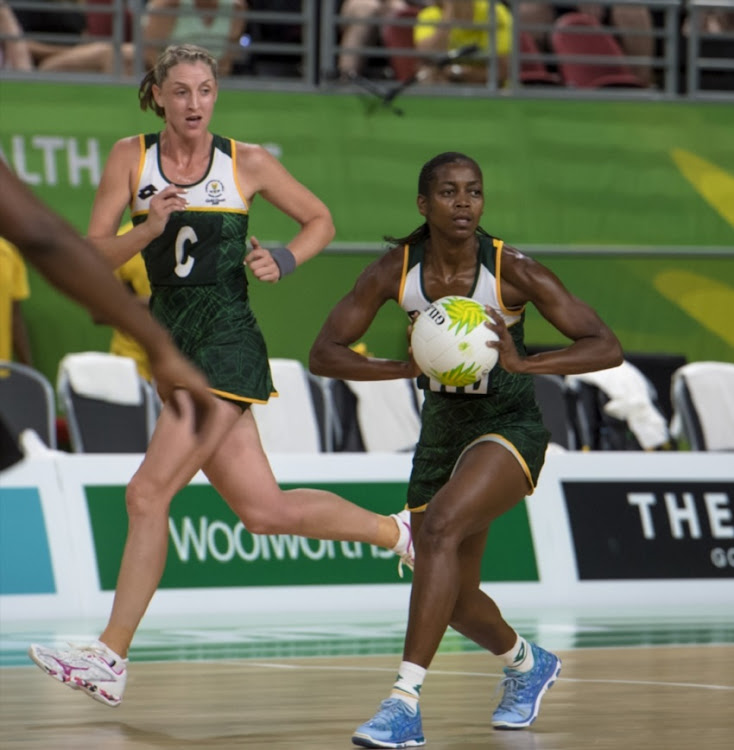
95,669
404,548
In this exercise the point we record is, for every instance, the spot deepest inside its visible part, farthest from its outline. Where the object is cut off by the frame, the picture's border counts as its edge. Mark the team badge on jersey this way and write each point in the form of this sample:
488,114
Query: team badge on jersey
215,192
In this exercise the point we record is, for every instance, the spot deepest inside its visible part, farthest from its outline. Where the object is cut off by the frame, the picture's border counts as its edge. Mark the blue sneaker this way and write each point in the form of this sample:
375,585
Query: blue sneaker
394,725
520,703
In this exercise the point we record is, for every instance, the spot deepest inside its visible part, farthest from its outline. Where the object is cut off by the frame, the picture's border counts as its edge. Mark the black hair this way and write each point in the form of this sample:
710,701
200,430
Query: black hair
426,178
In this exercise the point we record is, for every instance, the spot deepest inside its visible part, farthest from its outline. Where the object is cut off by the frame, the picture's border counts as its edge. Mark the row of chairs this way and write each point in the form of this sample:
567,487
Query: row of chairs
574,35
109,408
582,413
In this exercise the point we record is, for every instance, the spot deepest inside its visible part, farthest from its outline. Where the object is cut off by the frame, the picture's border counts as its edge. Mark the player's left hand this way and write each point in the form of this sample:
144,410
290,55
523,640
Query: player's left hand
509,359
261,263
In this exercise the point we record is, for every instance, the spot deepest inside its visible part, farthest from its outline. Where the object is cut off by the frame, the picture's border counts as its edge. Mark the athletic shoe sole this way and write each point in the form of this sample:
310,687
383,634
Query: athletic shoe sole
365,741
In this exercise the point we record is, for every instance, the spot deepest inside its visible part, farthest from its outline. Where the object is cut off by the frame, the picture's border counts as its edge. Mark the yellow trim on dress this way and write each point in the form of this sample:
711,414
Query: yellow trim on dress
404,275
494,437
499,244
234,174
233,397
141,165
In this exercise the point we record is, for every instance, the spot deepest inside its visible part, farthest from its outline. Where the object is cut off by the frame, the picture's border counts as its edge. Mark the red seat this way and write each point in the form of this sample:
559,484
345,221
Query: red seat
400,38
102,24
534,72
594,41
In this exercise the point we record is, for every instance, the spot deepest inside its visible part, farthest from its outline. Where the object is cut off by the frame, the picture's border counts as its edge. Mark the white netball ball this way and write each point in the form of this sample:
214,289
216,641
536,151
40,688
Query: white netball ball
449,341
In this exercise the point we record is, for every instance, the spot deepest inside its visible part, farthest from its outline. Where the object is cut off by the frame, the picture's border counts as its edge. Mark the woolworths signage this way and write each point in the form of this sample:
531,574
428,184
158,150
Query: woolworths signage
210,547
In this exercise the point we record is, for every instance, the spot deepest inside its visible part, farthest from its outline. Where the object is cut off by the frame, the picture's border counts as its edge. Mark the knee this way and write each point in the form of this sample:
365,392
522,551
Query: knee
270,516
259,523
144,498
437,535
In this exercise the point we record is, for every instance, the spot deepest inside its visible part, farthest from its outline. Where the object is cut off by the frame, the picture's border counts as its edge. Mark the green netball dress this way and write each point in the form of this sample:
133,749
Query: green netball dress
500,407
197,274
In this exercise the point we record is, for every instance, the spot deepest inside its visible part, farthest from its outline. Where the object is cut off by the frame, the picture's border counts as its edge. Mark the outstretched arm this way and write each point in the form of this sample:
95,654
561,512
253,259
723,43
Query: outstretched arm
73,265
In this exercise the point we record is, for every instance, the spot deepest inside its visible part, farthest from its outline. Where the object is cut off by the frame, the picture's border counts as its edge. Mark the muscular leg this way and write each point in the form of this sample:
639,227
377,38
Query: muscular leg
476,615
239,470
449,544
174,455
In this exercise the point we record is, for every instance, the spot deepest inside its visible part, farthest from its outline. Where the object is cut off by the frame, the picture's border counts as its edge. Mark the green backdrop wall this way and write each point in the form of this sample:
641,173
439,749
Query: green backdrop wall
556,172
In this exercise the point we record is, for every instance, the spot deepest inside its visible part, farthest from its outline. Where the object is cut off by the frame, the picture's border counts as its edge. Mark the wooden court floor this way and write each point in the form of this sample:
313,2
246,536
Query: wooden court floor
651,698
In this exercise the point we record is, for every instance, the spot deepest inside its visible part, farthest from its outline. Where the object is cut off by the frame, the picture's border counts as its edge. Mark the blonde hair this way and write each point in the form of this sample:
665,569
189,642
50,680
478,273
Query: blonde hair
169,58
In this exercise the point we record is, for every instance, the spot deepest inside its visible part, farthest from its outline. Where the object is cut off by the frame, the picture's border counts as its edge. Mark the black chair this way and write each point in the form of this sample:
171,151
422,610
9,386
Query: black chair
27,402
120,420
556,401
597,430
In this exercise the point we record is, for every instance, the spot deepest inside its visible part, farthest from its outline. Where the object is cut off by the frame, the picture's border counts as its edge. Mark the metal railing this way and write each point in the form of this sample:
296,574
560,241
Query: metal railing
688,60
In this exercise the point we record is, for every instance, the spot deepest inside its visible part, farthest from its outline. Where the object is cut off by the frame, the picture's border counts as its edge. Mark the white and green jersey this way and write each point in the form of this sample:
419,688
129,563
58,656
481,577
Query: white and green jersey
412,298
197,274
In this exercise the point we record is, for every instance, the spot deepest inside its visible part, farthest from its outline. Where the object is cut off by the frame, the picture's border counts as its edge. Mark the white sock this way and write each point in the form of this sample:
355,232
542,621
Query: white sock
408,686
404,534
520,656
112,657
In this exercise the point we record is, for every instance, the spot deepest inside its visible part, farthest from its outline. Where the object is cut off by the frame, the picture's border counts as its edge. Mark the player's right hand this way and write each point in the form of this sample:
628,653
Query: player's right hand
170,199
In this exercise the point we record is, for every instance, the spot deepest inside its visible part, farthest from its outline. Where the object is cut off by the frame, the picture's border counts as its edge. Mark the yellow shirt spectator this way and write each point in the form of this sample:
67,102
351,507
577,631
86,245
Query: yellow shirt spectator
459,37
133,274
13,288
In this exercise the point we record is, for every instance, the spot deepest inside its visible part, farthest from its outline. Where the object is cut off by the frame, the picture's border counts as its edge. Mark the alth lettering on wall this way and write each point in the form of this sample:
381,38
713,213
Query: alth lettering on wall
641,530
54,160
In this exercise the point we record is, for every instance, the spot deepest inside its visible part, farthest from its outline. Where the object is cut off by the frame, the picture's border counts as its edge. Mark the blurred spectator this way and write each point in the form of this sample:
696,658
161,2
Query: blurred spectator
354,34
102,24
14,53
134,275
213,24
62,23
14,343
712,21
636,18
715,47
278,32
434,39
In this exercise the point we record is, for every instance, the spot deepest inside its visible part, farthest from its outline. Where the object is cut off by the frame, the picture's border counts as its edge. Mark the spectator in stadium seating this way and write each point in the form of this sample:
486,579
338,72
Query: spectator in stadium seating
636,18
215,24
355,34
276,64
99,23
712,21
717,25
481,447
443,39
14,52
39,23
14,342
